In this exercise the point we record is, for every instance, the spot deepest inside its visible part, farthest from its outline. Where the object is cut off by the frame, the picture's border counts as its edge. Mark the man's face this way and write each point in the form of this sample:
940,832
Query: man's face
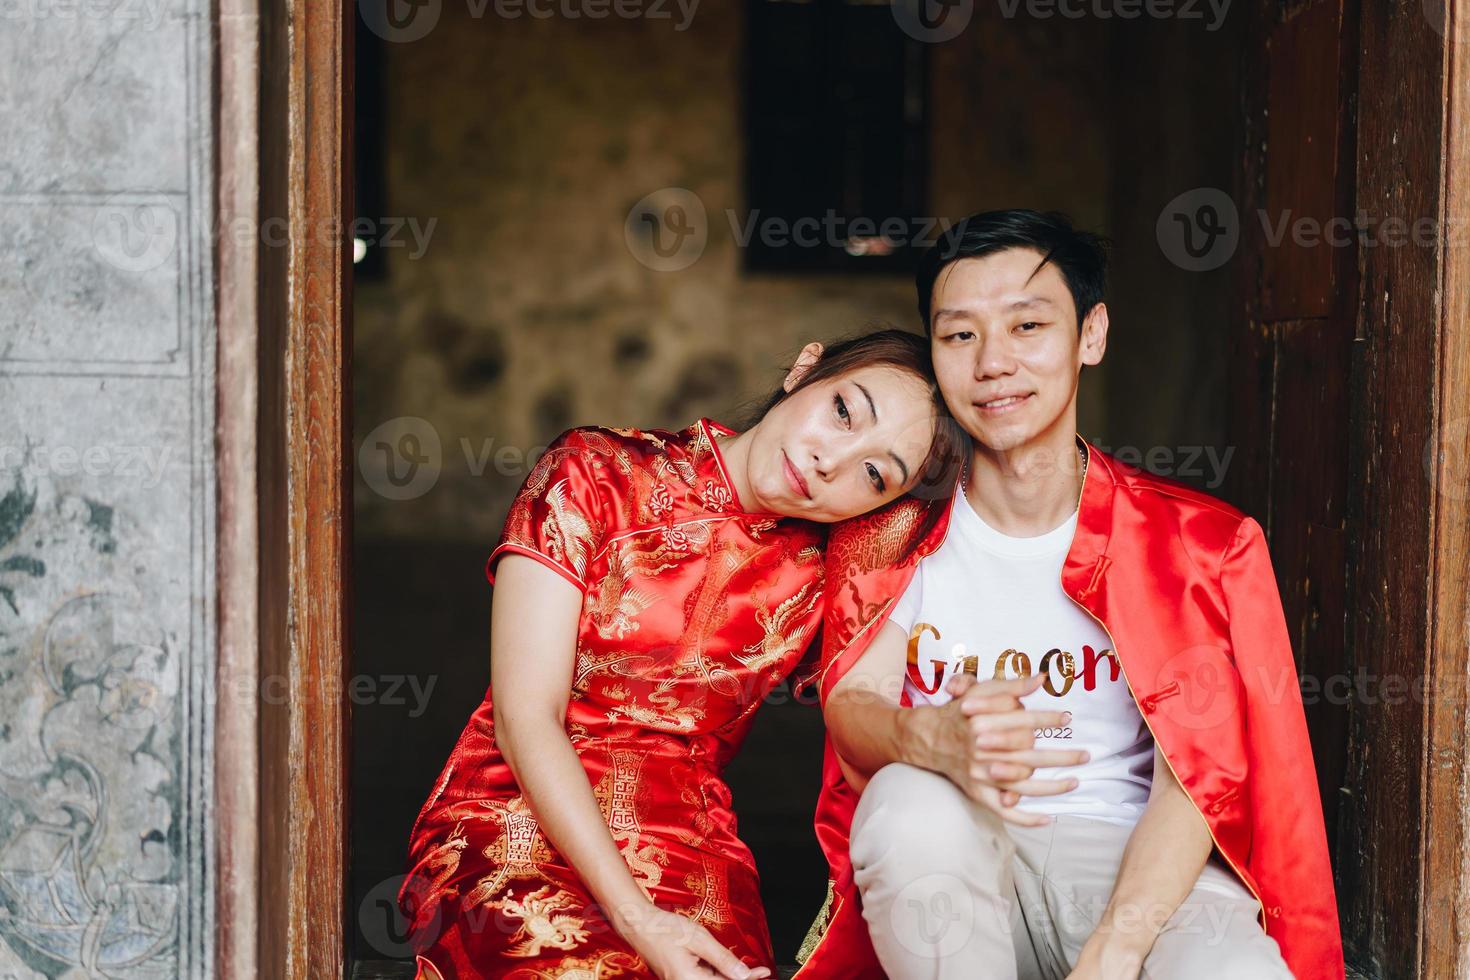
1006,346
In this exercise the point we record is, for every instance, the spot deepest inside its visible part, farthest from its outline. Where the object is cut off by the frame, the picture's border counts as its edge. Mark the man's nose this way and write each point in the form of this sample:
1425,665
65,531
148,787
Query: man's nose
993,358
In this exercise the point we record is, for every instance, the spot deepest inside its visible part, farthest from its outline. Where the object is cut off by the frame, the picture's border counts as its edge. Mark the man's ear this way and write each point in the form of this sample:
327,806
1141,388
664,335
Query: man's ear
810,354
1094,341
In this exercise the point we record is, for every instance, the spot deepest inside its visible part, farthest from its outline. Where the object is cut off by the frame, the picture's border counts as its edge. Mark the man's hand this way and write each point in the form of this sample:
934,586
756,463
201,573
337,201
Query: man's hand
986,745
1097,962
983,741
1166,852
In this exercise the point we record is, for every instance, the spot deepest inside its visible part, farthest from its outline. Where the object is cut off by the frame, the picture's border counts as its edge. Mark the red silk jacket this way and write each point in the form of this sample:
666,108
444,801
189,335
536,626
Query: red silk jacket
1184,586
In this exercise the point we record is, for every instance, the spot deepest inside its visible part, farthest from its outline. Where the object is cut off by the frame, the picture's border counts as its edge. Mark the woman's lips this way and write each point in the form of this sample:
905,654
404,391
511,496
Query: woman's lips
794,478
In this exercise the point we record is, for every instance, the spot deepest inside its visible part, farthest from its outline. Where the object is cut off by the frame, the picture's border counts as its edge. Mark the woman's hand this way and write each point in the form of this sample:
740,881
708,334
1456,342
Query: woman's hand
678,948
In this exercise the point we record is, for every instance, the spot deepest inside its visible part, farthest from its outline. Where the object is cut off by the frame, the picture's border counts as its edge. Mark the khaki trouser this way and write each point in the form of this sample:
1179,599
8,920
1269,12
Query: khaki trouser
951,890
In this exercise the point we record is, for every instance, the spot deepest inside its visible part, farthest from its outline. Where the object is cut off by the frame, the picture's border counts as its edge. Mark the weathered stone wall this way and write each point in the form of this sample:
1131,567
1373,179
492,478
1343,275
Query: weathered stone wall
527,141
106,489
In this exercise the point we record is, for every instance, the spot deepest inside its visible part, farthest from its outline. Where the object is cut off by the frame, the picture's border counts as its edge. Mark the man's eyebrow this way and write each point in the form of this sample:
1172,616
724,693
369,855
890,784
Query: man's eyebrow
940,313
901,465
1029,301
871,407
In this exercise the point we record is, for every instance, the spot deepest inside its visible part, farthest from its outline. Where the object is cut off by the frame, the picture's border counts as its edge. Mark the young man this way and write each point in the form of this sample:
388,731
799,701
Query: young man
1153,809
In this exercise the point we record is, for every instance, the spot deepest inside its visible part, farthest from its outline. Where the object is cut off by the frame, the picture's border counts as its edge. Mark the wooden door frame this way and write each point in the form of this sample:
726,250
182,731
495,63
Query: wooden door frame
1402,309
1408,569
283,120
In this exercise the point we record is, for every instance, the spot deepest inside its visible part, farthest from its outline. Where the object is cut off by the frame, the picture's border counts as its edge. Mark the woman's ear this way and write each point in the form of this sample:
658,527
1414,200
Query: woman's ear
810,354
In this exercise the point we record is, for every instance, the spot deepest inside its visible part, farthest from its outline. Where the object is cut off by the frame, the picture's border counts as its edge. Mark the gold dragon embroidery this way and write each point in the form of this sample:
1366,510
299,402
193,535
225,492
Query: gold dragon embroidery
779,638
544,922
615,607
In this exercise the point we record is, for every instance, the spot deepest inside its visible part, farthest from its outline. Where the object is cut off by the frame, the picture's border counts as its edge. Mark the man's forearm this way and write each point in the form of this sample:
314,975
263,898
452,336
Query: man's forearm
870,733
1161,863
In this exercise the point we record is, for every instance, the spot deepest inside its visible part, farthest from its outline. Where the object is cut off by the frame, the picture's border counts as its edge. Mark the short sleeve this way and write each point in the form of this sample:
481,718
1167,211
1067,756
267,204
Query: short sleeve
906,610
558,515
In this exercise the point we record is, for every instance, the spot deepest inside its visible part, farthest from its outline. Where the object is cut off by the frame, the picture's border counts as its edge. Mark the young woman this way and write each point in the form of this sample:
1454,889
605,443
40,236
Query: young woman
652,587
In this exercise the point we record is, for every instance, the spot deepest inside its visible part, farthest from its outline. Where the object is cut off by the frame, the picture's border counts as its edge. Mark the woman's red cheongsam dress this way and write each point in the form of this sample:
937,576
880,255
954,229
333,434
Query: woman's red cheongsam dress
693,611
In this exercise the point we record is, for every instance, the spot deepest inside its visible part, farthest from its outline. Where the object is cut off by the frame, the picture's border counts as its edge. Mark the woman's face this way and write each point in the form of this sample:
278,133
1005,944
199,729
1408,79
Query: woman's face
841,447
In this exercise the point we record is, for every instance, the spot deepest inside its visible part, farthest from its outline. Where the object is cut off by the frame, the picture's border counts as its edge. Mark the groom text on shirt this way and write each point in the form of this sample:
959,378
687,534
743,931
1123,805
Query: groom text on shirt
1055,662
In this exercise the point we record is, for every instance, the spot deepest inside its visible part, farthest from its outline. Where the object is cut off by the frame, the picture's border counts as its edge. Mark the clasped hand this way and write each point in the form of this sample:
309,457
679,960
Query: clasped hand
989,747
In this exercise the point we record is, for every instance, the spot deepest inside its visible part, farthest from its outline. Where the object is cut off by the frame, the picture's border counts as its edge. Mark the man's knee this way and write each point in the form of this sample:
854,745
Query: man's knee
1223,941
1248,962
920,819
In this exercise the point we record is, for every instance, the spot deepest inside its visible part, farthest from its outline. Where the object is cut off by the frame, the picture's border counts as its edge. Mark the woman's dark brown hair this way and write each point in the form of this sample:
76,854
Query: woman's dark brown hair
903,351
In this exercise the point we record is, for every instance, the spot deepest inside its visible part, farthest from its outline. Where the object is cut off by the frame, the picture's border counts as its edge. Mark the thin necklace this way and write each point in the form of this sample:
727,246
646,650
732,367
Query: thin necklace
965,473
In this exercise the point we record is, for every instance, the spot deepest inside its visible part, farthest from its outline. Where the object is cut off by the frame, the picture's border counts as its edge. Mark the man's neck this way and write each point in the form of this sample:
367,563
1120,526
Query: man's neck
1028,490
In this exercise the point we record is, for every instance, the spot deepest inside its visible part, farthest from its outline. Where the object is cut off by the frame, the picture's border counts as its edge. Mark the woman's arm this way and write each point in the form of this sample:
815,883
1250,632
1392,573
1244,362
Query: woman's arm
533,641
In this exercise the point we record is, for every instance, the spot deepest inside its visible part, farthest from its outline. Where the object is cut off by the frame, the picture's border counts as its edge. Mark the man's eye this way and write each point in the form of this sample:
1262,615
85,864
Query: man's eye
842,411
1030,325
960,335
876,477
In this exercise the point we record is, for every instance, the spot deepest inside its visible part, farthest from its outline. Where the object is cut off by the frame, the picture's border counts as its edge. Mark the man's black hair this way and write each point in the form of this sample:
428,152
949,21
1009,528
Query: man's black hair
1080,256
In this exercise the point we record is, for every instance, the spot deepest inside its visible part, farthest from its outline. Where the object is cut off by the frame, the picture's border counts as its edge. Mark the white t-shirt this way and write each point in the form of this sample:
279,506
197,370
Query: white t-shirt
992,597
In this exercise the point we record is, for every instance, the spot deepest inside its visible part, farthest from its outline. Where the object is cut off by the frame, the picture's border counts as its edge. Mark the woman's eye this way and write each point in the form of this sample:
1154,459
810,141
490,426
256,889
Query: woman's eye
1030,325
842,411
876,477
